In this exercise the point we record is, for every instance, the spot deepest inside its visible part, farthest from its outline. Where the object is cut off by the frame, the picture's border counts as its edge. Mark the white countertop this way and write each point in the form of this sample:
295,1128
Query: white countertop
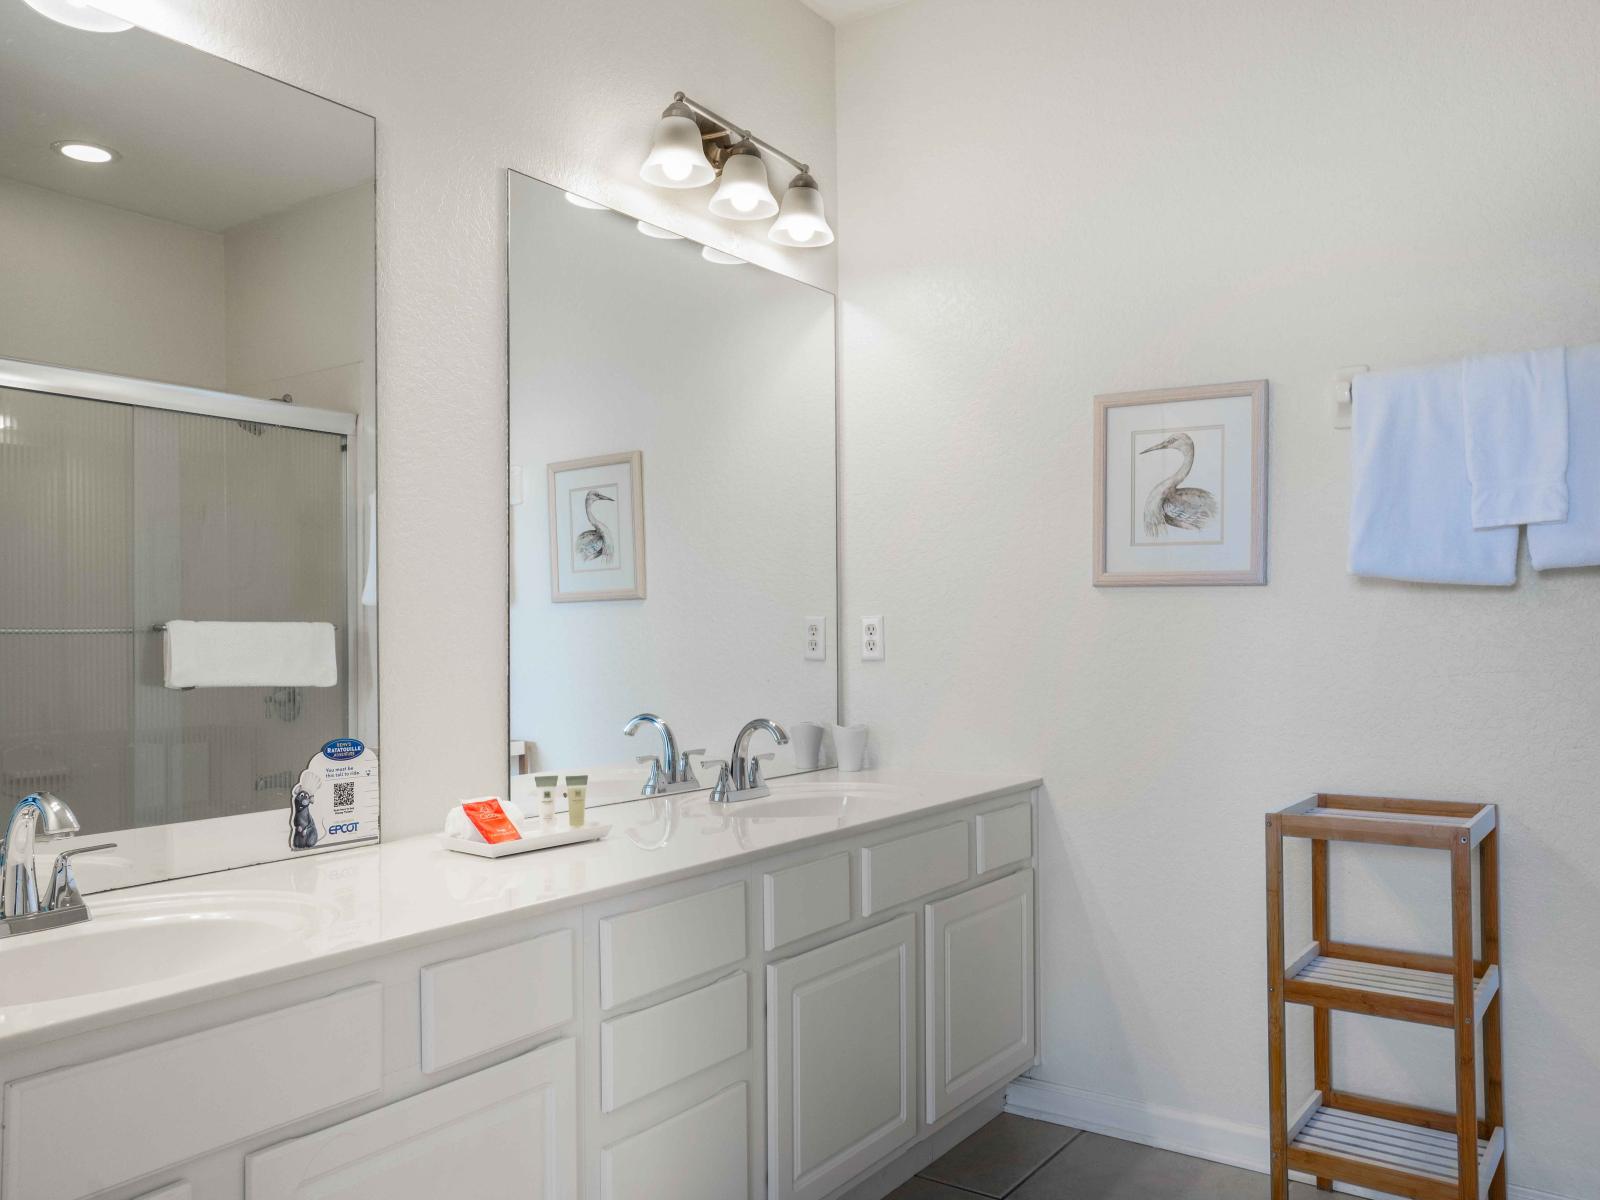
371,900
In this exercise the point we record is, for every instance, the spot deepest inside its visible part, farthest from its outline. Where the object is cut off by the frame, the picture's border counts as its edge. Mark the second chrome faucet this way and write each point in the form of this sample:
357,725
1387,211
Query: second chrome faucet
739,777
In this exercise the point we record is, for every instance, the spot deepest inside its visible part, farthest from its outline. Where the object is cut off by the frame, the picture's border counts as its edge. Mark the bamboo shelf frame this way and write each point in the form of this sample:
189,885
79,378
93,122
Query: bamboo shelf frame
1411,1151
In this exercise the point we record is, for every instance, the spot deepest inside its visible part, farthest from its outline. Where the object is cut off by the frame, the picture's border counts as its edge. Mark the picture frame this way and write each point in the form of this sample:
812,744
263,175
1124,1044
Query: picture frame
1180,486
597,546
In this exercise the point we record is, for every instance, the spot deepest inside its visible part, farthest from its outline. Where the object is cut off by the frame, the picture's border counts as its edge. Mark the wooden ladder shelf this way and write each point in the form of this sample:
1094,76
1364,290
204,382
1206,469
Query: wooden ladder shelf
1352,1138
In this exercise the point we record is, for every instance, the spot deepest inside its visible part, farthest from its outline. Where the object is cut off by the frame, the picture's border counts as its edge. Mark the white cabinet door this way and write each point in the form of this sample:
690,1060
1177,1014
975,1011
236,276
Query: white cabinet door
841,1063
979,1005
506,1131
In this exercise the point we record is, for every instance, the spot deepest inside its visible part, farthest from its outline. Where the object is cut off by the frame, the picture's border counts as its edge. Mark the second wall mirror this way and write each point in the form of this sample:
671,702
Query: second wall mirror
673,519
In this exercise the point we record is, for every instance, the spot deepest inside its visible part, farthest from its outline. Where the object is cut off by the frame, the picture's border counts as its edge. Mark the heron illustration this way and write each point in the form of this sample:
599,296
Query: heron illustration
1169,504
594,543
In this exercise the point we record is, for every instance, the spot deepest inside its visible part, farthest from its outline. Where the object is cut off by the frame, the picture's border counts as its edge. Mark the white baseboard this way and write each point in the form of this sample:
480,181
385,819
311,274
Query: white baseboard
1183,1132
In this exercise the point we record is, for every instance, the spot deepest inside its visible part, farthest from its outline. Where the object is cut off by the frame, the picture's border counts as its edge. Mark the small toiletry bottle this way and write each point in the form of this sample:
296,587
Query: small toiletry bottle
547,785
577,795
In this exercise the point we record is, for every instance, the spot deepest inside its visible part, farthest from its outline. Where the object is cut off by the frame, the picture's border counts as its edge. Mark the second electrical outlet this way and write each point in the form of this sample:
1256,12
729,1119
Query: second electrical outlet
871,639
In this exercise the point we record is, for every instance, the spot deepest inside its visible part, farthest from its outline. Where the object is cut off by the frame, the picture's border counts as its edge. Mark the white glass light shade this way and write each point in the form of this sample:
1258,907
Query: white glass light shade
721,257
80,16
743,194
578,201
655,231
677,155
801,221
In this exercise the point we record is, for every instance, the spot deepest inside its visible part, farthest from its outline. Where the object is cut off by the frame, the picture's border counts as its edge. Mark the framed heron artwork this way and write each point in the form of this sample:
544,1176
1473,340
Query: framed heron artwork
1180,486
597,528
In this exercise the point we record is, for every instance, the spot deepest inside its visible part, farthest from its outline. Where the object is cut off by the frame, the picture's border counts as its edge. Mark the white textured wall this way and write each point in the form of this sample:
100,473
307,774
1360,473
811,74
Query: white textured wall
106,289
569,93
1040,202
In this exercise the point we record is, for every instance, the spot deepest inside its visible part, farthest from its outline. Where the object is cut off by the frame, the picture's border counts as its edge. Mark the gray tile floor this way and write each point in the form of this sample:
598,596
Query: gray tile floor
1013,1158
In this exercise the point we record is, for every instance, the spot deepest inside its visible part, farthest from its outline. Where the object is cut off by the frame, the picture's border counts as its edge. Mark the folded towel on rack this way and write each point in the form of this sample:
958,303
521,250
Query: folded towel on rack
1516,415
249,654
1575,542
1411,499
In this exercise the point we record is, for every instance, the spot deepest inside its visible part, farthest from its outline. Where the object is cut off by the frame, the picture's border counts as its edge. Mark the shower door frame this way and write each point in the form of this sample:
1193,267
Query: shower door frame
159,852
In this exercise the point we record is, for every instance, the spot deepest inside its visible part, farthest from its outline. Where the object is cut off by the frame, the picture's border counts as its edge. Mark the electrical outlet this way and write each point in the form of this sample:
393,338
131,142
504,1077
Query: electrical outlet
871,639
816,639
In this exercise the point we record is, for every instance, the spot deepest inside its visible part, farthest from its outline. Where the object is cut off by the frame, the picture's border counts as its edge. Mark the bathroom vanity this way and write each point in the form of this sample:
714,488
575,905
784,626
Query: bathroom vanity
770,999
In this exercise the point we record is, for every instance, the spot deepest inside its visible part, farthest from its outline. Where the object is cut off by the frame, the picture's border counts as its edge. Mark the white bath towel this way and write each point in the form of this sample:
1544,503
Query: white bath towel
1516,415
1575,542
1411,500
250,654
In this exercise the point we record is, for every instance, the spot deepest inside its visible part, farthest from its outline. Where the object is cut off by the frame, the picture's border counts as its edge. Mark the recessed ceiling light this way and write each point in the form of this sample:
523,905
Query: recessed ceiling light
656,231
79,15
582,201
86,152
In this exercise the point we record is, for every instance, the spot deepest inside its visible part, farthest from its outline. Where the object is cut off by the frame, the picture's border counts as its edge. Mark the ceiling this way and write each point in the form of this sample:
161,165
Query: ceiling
842,11
252,146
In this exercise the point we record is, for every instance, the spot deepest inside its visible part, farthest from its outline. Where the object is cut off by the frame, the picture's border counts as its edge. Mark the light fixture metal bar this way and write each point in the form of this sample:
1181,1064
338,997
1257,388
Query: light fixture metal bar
744,134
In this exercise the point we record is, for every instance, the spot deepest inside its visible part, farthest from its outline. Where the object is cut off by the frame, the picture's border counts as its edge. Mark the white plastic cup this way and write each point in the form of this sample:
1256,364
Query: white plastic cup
805,739
850,746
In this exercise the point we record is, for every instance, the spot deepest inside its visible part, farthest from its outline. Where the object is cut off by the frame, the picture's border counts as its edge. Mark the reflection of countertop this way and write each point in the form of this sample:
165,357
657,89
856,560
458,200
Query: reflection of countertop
376,899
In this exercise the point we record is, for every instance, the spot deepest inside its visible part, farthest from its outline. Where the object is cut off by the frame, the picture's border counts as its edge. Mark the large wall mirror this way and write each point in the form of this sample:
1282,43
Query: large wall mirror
188,598
673,524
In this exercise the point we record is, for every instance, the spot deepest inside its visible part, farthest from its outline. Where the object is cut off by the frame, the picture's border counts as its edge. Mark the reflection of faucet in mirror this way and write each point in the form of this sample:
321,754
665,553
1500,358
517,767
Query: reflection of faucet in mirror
739,778
39,817
670,771
665,811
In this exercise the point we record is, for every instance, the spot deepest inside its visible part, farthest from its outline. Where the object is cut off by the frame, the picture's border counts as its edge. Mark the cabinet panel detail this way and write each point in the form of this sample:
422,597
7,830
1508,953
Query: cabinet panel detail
909,867
509,1130
805,899
653,948
77,1131
484,1001
656,1047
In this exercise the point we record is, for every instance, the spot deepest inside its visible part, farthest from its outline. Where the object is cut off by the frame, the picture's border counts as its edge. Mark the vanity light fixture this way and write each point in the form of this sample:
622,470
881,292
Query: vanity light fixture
719,148
655,231
79,15
721,257
578,201
677,152
85,152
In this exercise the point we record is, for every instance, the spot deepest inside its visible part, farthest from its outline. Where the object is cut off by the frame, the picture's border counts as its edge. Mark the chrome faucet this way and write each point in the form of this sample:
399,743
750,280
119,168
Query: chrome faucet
739,776
40,817
670,771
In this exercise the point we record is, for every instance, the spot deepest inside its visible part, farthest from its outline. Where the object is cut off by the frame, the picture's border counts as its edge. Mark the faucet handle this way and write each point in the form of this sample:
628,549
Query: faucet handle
685,767
754,771
652,784
63,891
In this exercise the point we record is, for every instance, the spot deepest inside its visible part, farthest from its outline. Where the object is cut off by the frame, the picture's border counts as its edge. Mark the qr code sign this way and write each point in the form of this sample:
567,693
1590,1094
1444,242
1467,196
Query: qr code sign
344,796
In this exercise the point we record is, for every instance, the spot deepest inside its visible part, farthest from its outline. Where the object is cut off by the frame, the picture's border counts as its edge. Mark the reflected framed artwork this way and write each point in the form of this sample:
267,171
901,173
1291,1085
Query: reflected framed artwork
1180,486
597,528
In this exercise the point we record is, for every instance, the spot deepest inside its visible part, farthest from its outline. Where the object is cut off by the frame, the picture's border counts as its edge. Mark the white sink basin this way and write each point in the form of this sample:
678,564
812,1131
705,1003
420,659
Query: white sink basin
137,940
824,798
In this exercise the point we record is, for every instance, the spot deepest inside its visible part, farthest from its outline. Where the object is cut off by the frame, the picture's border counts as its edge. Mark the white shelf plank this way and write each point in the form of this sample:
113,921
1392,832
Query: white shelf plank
1428,1153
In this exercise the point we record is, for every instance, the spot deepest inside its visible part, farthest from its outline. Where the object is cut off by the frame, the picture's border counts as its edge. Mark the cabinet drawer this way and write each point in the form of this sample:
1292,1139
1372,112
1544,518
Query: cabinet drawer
805,899
76,1131
701,1154
908,867
509,1130
646,1051
644,951
484,1001
1005,836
